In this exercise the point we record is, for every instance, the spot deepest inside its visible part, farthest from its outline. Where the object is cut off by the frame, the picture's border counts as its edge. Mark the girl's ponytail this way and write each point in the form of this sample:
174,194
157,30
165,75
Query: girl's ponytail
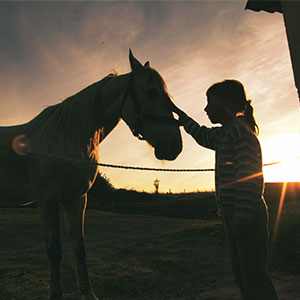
249,118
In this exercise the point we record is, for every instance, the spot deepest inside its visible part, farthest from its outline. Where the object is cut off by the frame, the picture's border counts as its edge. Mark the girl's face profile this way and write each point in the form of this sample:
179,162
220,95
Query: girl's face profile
217,111
214,109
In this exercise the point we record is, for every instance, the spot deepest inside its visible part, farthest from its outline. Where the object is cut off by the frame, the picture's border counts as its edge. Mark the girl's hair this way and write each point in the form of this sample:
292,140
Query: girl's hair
233,94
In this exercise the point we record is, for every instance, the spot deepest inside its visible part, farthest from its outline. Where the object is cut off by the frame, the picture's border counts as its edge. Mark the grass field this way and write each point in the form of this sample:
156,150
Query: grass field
129,257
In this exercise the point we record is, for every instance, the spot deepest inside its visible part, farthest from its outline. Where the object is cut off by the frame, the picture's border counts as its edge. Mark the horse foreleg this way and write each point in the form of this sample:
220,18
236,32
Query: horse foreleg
74,211
50,219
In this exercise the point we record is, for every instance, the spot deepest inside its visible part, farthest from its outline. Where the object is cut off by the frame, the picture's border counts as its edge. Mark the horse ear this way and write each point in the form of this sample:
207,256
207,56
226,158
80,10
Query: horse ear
136,66
147,64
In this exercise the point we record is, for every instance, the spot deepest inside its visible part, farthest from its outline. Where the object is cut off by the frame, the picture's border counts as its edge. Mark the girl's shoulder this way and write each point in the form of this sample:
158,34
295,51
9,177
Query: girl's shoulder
238,128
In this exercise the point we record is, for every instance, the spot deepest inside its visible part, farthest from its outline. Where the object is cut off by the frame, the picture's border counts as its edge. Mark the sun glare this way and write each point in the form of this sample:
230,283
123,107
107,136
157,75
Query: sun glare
286,150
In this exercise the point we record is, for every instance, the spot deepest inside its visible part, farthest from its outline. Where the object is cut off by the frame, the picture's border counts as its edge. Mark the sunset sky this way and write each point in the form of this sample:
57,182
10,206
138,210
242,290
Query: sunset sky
51,50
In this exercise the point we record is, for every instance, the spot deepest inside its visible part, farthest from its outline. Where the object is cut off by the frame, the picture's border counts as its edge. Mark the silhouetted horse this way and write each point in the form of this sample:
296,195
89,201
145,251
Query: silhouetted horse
73,129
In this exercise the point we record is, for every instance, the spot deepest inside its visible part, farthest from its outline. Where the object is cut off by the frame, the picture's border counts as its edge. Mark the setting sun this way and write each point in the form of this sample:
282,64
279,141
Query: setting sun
286,150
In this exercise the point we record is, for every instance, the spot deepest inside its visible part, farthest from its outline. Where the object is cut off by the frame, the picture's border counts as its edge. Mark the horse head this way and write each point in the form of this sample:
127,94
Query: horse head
147,110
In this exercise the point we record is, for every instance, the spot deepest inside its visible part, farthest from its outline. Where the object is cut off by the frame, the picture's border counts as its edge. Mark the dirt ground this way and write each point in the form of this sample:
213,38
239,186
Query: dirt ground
129,257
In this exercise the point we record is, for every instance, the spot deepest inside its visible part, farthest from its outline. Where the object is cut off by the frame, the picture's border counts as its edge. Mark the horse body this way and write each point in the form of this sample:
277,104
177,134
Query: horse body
31,173
74,129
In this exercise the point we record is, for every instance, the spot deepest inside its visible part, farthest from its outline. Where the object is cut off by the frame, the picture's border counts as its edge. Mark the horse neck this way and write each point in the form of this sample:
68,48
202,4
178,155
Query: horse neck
112,98
105,110
78,125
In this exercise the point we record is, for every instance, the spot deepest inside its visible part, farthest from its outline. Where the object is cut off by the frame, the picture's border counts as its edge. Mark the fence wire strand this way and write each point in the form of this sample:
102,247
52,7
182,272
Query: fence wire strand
86,162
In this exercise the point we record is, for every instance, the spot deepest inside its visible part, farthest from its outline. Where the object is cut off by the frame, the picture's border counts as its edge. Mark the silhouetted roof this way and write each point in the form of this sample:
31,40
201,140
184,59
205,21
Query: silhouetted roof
269,6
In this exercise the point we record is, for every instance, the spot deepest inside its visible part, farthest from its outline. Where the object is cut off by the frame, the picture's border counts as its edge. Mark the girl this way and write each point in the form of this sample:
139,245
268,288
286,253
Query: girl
239,184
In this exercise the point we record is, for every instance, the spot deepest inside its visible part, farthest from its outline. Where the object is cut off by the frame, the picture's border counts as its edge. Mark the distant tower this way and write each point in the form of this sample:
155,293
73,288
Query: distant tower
156,185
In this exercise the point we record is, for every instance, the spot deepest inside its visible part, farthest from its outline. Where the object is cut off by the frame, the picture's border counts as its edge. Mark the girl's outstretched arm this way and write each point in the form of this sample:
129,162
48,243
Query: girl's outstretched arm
206,137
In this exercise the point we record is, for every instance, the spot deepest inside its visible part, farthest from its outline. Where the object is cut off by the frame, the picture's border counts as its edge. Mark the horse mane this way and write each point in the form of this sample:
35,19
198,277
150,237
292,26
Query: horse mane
74,119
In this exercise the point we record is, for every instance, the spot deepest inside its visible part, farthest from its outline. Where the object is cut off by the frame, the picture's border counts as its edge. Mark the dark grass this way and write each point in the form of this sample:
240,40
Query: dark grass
134,256
129,257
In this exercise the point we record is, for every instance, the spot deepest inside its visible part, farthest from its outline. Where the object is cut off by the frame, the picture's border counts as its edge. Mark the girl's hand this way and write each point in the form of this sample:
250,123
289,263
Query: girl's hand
183,117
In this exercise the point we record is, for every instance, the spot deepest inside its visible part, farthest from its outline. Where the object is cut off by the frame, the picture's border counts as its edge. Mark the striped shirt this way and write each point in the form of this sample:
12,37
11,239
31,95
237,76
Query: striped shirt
238,167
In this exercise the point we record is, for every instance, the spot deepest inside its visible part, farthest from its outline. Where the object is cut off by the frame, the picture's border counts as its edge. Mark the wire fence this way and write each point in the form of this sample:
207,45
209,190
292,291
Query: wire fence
126,167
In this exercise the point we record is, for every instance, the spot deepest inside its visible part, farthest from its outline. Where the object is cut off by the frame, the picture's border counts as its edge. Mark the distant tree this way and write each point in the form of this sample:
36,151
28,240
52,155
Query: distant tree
156,185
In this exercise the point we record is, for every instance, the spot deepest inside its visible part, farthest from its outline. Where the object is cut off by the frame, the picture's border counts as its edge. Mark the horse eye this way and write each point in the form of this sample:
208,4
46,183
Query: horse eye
152,93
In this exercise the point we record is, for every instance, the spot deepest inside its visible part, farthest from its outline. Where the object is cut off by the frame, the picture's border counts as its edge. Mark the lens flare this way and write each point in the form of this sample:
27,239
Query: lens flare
276,226
20,145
